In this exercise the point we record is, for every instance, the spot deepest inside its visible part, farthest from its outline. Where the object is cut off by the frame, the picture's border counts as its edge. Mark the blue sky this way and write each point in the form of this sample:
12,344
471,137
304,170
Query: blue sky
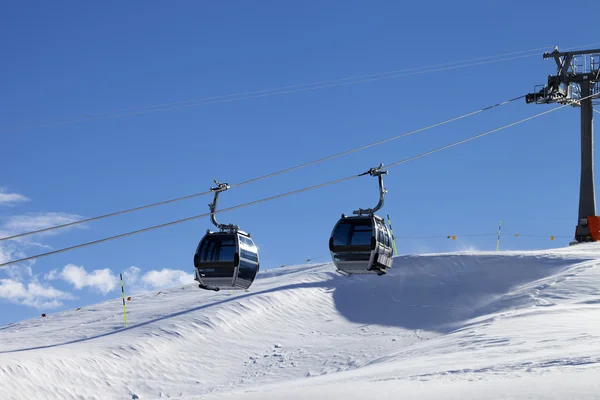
62,61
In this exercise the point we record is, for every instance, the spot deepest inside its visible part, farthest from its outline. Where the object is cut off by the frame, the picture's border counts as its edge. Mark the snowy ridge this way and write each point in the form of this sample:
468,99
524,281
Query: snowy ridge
511,319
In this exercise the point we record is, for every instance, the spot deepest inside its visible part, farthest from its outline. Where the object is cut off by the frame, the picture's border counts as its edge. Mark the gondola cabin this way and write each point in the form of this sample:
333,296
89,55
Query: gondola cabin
361,245
226,260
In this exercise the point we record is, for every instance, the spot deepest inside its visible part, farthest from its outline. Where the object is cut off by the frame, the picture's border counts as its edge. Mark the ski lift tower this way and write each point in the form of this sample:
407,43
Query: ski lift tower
577,82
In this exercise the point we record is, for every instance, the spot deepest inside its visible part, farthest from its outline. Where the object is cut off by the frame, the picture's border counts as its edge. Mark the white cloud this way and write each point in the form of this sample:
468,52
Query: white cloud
105,281
155,279
167,278
16,224
33,294
132,274
102,280
18,272
11,198
51,275
16,249
10,251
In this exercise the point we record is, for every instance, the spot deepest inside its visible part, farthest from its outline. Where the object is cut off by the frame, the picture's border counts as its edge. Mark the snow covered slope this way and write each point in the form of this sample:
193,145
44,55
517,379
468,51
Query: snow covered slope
462,325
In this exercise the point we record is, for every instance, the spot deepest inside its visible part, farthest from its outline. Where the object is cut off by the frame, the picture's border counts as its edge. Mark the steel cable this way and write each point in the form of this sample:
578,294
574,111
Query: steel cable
287,193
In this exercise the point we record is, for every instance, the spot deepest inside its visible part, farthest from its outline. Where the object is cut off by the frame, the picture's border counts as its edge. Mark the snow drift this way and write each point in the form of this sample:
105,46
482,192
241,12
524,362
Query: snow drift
461,325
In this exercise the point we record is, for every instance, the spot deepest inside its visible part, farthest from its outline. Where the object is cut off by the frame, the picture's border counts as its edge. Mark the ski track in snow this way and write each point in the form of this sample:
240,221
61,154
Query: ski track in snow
445,320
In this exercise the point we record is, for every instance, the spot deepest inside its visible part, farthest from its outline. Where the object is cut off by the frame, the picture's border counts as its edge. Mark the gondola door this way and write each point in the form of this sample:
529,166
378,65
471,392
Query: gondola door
217,259
248,262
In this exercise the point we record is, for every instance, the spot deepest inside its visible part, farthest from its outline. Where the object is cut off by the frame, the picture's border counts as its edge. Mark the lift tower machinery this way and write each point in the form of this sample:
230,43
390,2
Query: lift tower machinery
577,82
